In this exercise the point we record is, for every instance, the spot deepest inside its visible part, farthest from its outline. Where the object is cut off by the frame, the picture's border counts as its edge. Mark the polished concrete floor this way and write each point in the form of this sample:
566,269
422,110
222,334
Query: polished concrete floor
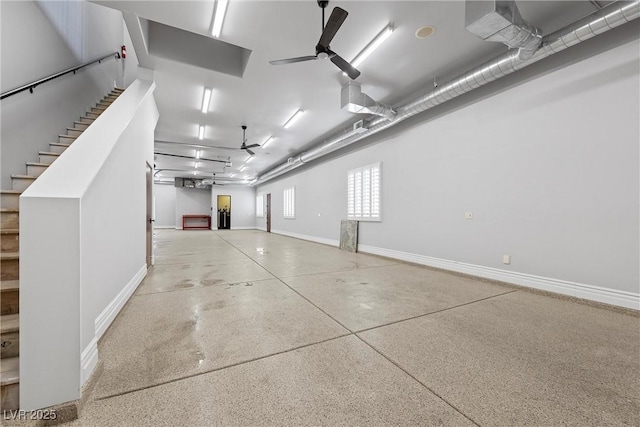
250,328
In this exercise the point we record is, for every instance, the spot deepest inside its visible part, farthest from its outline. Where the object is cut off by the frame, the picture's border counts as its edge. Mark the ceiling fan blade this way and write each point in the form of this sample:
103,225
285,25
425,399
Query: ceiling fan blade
333,25
249,151
293,60
252,145
344,65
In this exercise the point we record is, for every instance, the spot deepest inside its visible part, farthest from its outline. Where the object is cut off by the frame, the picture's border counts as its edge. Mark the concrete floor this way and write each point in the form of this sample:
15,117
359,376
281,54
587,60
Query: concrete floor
250,328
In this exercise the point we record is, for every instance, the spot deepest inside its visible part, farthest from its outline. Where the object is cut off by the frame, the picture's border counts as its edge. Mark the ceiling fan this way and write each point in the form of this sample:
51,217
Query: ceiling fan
244,145
322,48
209,181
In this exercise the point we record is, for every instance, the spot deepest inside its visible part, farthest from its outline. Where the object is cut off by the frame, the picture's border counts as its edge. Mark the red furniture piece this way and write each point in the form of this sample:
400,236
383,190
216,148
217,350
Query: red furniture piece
199,225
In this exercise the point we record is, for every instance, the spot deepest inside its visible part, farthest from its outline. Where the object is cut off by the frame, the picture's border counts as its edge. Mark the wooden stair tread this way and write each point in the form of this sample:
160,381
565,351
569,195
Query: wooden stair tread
10,192
10,231
48,153
76,129
9,285
9,210
9,323
38,164
67,136
10,371
59,144
10,255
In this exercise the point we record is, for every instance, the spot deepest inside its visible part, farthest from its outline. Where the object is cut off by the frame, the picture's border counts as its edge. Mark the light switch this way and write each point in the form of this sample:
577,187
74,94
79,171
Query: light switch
506,259
468,215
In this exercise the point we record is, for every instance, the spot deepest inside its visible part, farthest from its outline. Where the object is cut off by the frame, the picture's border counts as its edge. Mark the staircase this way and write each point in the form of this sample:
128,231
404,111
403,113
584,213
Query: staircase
10,252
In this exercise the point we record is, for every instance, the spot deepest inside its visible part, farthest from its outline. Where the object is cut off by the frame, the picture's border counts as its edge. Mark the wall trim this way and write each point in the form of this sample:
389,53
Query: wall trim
565,287
110,312
164,226
88,360
323,240
249,227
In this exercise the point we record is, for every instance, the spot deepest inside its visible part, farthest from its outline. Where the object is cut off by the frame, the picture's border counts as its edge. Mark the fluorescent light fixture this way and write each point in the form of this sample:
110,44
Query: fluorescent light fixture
264,144
218,17
195,172
201,132
293,118
198,153
249,159
196,164
206,98
242,168
231,175
373,45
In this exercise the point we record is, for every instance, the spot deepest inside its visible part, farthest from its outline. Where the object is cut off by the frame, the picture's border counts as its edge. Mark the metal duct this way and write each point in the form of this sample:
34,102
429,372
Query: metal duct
352,98
607,18
500,21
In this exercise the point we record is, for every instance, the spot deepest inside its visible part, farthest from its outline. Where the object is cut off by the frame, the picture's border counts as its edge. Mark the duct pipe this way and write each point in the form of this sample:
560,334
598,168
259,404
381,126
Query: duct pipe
352,98
609,17
500,21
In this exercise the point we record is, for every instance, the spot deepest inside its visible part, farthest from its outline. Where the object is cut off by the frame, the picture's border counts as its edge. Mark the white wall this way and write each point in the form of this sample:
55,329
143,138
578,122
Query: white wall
83,247
191,201
42,38
165,205
243,205
549,169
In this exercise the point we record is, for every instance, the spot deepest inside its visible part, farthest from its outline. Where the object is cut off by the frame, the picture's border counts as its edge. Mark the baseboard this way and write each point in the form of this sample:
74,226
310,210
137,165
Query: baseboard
88,360
564,287
244,228
111,311
324,241
170,227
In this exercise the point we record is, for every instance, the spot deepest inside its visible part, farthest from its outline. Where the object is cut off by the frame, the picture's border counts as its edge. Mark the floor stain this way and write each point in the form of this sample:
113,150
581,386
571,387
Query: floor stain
210,282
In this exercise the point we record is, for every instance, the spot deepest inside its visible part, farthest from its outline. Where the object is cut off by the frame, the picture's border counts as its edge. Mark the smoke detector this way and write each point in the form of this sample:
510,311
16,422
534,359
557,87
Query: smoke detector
424,32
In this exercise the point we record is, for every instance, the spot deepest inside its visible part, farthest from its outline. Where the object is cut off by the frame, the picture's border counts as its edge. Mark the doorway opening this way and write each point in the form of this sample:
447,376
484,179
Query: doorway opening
224,212
269,213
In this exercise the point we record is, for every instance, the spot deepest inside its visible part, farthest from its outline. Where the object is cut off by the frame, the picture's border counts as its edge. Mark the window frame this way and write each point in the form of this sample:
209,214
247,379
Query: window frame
364,198
285,198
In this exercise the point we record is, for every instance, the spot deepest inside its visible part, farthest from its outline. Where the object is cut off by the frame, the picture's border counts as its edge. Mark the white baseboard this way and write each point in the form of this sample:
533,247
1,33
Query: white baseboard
579,290
261,228
324,241
170,227
244,228
88,360
111,311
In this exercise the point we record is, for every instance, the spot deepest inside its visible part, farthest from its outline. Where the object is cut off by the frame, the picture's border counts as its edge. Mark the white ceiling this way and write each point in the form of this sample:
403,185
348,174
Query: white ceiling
266,96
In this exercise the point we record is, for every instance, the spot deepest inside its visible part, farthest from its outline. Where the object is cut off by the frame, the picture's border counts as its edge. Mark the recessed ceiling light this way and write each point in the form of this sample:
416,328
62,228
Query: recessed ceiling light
206,98
201,132
373,45
293,118
424,32
218,17
268,140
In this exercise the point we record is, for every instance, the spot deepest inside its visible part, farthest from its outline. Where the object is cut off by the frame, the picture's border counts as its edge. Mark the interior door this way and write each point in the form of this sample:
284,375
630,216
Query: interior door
269,213
149,215
224,212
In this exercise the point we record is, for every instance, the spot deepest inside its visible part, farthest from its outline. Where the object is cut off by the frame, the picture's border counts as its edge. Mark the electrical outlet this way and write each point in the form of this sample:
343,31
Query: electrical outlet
506,259
468,215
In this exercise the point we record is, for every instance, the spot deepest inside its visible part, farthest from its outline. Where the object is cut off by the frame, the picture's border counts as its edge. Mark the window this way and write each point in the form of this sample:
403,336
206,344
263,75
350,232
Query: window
260,205
363,193
290,202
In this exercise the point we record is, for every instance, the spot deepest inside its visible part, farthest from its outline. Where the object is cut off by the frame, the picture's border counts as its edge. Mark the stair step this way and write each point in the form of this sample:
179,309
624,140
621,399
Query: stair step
92,115
117,89
95,110
58,147
101,106
9,380
66,139
9,300
9,323
87,120
10,372
21,182
36,169
9,336
9,266
74,132
10,199
48,157
9,240
81,125
9,218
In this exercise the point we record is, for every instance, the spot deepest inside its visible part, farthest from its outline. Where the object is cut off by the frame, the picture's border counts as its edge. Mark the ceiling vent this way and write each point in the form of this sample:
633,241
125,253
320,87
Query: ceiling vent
359,127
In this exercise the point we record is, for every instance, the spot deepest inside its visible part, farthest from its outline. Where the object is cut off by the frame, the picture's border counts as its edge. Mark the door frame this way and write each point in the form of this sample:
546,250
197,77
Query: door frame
149,214
268,212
